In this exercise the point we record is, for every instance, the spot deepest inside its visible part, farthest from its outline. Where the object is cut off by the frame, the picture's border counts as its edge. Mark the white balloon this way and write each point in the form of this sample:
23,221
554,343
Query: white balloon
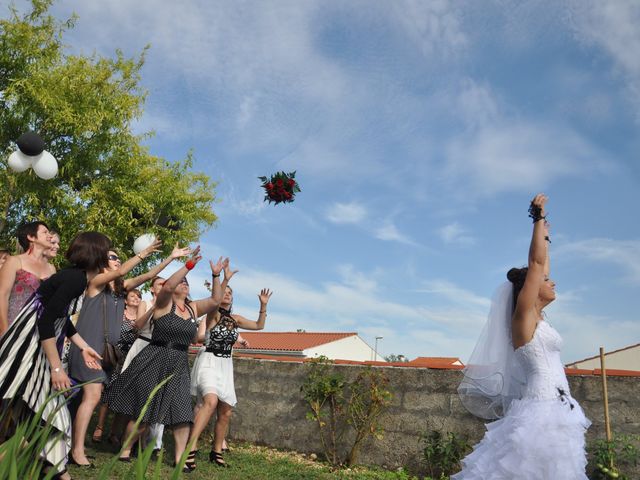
19,162
142,242
46,166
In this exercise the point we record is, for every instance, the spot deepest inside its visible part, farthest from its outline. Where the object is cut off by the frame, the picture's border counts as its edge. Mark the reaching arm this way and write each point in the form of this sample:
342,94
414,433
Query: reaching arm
134,282
247,324
524,320
209,306
163,298
102,279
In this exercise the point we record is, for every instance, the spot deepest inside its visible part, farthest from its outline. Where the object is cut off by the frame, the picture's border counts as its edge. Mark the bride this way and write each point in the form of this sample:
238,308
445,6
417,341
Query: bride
515,375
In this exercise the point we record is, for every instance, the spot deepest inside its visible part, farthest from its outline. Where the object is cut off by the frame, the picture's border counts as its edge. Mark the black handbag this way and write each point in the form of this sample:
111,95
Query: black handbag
111,355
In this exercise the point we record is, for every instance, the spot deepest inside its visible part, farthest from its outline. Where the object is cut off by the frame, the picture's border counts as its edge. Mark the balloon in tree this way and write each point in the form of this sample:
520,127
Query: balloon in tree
31,153
281,187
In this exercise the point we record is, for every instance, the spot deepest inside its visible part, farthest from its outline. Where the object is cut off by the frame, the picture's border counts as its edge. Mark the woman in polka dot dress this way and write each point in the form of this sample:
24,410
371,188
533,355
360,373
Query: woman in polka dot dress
175,328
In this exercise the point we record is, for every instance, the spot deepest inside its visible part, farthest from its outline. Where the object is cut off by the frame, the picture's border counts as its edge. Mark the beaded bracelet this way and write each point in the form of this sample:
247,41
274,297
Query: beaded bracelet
535,212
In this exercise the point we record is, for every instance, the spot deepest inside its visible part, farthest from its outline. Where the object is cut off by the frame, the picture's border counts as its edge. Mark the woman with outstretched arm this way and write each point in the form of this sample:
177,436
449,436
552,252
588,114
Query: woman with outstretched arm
515,376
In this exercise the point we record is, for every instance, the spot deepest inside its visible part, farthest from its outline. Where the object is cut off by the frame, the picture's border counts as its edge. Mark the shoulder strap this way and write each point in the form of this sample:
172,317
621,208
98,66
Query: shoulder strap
191,312
104,316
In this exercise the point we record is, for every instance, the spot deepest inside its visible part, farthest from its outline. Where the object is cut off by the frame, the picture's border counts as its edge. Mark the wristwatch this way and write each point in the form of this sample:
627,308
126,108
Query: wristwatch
57,369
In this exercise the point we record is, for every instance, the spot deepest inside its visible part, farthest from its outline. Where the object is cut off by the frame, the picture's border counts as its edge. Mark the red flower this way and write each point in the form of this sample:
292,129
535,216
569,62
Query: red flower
287,195
292,182
280,182
269,186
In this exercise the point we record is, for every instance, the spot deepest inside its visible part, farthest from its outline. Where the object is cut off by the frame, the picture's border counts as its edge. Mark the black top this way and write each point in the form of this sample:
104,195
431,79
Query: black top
223,335
56,293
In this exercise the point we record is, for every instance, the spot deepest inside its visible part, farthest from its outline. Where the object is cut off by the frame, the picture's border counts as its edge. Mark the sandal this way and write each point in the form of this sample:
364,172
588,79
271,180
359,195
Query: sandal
190,462
59,475
185,468
216,457
97,434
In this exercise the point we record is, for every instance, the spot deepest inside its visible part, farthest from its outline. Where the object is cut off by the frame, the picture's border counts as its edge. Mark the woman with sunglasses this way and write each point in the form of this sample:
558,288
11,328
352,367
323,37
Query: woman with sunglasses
104,304
166,358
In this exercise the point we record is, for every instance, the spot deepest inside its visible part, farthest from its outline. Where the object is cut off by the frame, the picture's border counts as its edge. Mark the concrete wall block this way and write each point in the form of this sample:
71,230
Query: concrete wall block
271,410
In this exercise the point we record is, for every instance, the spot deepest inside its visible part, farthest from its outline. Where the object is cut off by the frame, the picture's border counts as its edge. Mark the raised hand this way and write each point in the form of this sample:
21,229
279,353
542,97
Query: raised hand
539,201
228,271
154,247
178,252
195,256
217,267
264,296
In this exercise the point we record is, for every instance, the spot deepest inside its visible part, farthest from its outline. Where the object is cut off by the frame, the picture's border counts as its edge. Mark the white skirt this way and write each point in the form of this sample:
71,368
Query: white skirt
211,374
535,440
138,345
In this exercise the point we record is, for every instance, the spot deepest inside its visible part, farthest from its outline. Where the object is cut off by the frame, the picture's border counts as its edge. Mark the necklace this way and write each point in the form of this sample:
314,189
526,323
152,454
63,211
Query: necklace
182,309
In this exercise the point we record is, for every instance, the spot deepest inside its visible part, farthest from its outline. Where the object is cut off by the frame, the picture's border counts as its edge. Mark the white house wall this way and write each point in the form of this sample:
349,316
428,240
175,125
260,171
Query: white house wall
623,360
349,348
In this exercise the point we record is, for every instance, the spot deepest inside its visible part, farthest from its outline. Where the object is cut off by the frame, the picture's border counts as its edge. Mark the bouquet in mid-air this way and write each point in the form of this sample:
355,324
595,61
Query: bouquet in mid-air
281,187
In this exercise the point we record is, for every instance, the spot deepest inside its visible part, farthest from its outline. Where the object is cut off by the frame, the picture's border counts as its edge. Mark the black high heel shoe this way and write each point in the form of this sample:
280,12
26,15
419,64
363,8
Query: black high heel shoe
185,468
190,462
72,461
216,457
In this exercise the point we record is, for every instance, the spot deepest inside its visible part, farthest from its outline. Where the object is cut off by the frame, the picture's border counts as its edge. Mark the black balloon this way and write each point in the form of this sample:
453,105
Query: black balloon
30,144
163,221
169,222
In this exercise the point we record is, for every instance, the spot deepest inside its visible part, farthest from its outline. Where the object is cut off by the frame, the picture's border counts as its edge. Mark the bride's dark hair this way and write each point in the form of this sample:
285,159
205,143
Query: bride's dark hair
517,276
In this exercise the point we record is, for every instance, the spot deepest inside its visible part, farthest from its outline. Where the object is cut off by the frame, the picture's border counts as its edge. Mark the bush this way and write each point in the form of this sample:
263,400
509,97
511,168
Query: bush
443,452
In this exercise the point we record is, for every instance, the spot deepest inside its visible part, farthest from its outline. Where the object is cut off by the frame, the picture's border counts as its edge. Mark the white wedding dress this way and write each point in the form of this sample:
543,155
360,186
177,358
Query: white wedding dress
541,435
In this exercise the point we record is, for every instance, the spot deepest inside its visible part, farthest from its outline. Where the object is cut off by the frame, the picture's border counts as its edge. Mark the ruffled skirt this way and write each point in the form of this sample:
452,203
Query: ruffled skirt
536,440
211,374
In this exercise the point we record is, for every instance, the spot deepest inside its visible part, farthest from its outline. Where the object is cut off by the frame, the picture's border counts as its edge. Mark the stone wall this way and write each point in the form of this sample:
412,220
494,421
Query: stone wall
271,410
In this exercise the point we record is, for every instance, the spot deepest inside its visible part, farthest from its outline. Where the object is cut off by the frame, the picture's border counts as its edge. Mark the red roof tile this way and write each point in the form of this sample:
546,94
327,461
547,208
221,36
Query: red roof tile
289,341
436,362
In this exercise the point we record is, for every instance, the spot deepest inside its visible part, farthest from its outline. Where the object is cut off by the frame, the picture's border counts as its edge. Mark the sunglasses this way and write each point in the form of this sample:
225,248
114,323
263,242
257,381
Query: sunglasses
184,280
114,257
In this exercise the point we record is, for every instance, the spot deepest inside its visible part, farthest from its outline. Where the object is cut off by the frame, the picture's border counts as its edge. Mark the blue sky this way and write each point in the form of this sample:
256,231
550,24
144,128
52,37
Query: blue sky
420,130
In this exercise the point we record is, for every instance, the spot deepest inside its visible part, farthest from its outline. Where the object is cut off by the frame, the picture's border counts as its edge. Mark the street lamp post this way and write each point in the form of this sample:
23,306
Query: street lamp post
375,350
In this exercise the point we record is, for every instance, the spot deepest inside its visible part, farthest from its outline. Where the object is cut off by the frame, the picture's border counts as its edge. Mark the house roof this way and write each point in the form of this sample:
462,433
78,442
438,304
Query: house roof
289,341
605,354
436,362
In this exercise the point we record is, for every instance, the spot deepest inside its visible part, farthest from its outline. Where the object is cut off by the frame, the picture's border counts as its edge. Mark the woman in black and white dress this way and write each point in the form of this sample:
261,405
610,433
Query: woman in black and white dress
30,365
212,375
175,328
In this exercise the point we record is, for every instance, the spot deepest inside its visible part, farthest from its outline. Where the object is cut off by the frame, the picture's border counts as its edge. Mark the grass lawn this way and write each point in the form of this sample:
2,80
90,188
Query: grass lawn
246,462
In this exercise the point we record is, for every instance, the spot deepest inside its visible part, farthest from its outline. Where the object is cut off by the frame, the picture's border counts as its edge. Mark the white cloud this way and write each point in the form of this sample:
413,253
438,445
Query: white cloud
390,233
614,26
435,26
519,156
452,316
346,213
455,294
456,234
625,254
358,280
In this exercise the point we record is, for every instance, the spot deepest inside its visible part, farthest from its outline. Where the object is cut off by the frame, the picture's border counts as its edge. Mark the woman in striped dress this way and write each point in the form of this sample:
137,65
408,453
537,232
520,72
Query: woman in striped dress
30,365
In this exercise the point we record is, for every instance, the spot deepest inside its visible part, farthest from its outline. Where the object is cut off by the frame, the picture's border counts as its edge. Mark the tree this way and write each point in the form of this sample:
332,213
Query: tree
396,358
83,107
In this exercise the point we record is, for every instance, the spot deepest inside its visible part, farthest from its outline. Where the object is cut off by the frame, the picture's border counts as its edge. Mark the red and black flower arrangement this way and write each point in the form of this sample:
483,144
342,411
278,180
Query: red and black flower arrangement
281,187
